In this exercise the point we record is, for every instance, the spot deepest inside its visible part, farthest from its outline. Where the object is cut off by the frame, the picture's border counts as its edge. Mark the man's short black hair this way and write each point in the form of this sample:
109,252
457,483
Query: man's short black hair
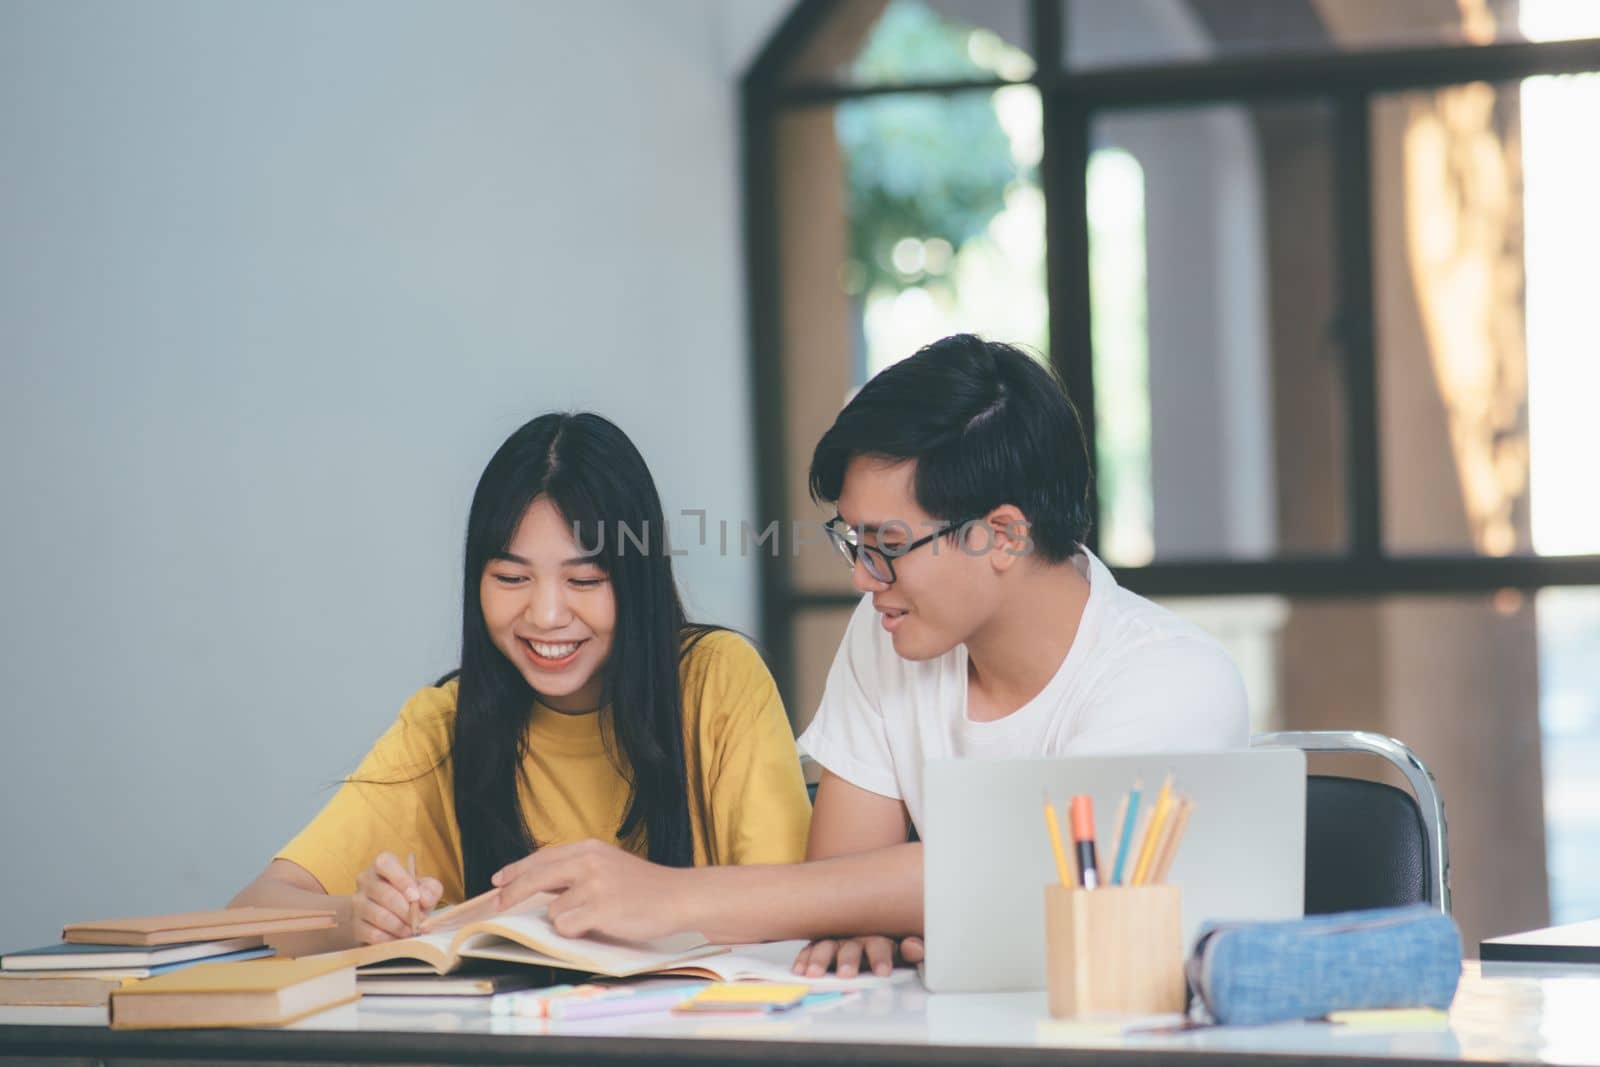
987,425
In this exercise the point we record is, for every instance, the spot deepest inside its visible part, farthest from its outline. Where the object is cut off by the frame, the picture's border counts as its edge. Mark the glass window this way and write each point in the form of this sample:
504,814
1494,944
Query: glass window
1218,384
898,42
1569,713
1486,223
902,218
1118,33
946,220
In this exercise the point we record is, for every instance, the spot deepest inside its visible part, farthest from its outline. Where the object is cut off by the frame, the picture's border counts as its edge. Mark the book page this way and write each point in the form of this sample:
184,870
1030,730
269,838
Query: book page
492,947
529,927
482,906
433,949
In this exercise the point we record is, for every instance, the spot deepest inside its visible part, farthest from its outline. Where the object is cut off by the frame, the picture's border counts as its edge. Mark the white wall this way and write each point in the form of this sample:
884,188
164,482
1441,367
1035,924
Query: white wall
275,280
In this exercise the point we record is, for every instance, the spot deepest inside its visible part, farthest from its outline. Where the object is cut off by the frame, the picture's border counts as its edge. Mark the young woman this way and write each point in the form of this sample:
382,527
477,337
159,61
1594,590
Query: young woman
585,707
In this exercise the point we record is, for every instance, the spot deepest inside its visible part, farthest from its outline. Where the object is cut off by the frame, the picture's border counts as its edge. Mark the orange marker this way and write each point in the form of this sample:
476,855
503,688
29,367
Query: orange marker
1083,841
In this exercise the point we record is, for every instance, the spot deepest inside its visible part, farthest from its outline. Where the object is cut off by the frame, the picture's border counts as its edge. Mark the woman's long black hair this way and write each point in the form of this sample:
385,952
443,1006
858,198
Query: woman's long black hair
599,483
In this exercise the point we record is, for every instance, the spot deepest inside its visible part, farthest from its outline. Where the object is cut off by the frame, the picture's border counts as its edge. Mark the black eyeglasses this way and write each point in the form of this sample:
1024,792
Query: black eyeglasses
878,561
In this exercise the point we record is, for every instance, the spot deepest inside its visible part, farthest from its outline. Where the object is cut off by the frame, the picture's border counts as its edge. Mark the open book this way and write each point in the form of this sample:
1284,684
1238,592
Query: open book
523,934
474,930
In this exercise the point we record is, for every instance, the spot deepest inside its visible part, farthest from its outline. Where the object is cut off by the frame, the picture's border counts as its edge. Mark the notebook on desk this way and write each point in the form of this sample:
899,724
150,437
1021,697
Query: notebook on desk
190,926
1571,943
75,956
255,993
986,859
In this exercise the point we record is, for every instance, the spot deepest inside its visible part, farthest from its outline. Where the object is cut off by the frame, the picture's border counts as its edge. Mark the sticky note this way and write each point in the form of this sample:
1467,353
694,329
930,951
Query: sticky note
747,996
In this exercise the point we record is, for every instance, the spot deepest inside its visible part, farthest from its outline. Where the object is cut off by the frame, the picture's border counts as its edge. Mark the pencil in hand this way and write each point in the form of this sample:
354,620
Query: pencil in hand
416,912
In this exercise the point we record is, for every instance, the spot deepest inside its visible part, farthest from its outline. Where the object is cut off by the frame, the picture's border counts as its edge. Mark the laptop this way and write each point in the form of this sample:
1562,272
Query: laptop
987,855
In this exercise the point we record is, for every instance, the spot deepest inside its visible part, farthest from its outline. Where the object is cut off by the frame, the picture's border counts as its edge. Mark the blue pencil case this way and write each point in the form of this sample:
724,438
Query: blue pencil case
1251,973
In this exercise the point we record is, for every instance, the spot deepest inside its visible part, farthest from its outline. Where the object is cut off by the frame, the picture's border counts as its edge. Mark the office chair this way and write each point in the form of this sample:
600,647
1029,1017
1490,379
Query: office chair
1369,845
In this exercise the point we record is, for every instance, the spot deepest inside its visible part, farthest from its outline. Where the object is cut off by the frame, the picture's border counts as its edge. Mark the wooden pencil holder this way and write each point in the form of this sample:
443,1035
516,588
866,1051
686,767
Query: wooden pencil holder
1116,949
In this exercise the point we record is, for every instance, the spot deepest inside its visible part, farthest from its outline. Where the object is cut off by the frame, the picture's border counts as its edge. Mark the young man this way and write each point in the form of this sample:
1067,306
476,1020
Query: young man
986,629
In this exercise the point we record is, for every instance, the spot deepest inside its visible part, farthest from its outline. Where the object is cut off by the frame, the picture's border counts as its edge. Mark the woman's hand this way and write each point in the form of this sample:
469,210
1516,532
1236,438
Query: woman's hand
385,892
600,889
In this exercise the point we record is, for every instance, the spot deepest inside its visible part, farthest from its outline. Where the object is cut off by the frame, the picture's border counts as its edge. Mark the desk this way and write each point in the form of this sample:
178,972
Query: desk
1510,1015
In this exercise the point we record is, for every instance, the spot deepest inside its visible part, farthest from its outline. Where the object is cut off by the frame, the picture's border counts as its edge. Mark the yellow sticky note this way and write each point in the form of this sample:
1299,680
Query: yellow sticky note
751,993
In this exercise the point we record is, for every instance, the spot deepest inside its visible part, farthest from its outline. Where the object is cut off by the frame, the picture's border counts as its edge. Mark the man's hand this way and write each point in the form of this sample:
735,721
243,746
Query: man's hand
600,889
845,956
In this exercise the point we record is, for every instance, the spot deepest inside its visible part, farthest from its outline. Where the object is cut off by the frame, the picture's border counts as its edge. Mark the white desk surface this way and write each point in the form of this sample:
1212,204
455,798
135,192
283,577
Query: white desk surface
1518,1013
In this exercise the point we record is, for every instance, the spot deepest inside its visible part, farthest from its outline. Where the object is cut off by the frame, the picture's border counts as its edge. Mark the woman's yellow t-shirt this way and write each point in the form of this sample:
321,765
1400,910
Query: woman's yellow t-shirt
747,799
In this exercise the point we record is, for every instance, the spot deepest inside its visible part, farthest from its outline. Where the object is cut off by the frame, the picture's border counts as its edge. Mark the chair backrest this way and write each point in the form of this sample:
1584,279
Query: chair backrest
1370,845
1365,846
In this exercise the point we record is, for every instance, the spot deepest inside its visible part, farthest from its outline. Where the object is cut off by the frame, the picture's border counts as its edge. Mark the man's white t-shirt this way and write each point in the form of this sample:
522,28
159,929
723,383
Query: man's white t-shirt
1137,679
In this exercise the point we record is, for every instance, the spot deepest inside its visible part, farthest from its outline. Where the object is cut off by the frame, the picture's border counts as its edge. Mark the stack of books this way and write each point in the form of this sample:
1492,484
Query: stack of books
85,975
96,959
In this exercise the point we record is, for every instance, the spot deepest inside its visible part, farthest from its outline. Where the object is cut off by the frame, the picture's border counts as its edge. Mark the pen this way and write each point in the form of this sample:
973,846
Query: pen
1083,841
1125,824
1055,841
411,869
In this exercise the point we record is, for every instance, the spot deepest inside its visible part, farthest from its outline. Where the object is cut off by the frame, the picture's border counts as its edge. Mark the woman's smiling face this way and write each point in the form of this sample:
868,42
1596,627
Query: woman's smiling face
551,610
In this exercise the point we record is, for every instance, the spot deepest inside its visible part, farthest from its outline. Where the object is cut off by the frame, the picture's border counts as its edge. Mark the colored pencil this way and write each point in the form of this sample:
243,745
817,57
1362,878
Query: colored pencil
1068,878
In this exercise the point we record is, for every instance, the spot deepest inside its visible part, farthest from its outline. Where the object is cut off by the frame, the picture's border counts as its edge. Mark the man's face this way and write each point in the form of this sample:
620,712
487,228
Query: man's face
943,590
